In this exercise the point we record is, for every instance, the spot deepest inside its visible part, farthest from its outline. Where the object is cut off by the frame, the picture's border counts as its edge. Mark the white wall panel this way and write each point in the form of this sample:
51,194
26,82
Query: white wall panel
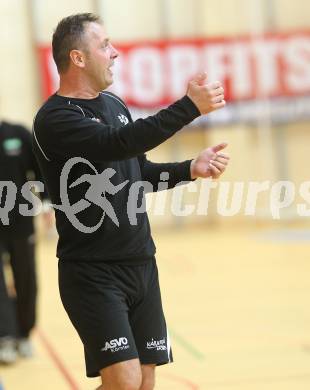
18,87
131,20
292,14
47,13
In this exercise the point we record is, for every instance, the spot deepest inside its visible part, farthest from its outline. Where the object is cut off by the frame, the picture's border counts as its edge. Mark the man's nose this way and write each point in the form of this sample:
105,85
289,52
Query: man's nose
114,53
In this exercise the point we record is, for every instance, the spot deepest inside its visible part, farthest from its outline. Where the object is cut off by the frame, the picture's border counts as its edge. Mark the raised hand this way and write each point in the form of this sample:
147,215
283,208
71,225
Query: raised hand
207,97
211,162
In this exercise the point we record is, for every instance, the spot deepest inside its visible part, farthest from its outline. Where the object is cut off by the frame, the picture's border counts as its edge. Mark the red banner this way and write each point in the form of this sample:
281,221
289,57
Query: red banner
152,74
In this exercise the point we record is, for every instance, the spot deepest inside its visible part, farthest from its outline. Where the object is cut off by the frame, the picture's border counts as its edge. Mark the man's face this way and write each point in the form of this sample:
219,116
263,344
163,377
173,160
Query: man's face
100,56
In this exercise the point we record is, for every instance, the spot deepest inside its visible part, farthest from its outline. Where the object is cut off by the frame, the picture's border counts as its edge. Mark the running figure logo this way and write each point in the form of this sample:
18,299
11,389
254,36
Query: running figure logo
100,185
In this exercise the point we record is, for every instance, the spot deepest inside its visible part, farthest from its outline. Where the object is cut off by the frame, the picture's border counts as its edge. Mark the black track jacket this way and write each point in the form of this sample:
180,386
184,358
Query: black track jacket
101,131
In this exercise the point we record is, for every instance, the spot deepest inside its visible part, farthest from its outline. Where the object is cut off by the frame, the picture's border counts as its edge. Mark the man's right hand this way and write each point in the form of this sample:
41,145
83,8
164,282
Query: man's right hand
207,97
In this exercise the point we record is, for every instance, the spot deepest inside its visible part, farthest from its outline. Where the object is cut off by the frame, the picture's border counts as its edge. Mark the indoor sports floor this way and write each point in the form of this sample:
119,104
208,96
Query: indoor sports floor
238,306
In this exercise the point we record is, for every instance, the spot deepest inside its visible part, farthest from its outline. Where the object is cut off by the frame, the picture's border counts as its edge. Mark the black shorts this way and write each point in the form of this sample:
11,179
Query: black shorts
117,312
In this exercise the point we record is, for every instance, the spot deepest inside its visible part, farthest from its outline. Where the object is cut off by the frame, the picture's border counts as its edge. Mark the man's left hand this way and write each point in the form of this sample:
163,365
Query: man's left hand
211,162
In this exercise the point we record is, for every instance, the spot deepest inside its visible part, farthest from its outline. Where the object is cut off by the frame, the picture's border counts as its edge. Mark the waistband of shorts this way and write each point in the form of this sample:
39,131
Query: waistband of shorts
127,261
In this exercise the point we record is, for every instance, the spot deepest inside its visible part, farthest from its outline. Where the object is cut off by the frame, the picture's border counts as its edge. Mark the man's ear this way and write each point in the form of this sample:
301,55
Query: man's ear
78,58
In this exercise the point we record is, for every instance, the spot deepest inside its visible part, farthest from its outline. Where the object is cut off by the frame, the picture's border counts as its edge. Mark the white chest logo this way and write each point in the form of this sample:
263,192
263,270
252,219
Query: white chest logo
123,119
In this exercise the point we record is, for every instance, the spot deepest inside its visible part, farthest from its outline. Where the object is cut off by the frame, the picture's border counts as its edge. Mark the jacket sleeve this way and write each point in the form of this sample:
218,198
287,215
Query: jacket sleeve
32,164
65,133
174,172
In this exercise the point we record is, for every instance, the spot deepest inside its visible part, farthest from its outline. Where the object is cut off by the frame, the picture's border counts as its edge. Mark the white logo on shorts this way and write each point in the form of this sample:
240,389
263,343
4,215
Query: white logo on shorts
116,345
158,345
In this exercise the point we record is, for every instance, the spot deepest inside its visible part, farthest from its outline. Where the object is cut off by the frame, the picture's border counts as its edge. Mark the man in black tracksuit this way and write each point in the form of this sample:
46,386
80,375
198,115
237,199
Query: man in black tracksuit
92,155
17,165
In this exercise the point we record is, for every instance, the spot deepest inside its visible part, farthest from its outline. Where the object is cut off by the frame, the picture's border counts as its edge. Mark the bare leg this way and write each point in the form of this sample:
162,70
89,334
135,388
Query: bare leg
122,376
148,376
